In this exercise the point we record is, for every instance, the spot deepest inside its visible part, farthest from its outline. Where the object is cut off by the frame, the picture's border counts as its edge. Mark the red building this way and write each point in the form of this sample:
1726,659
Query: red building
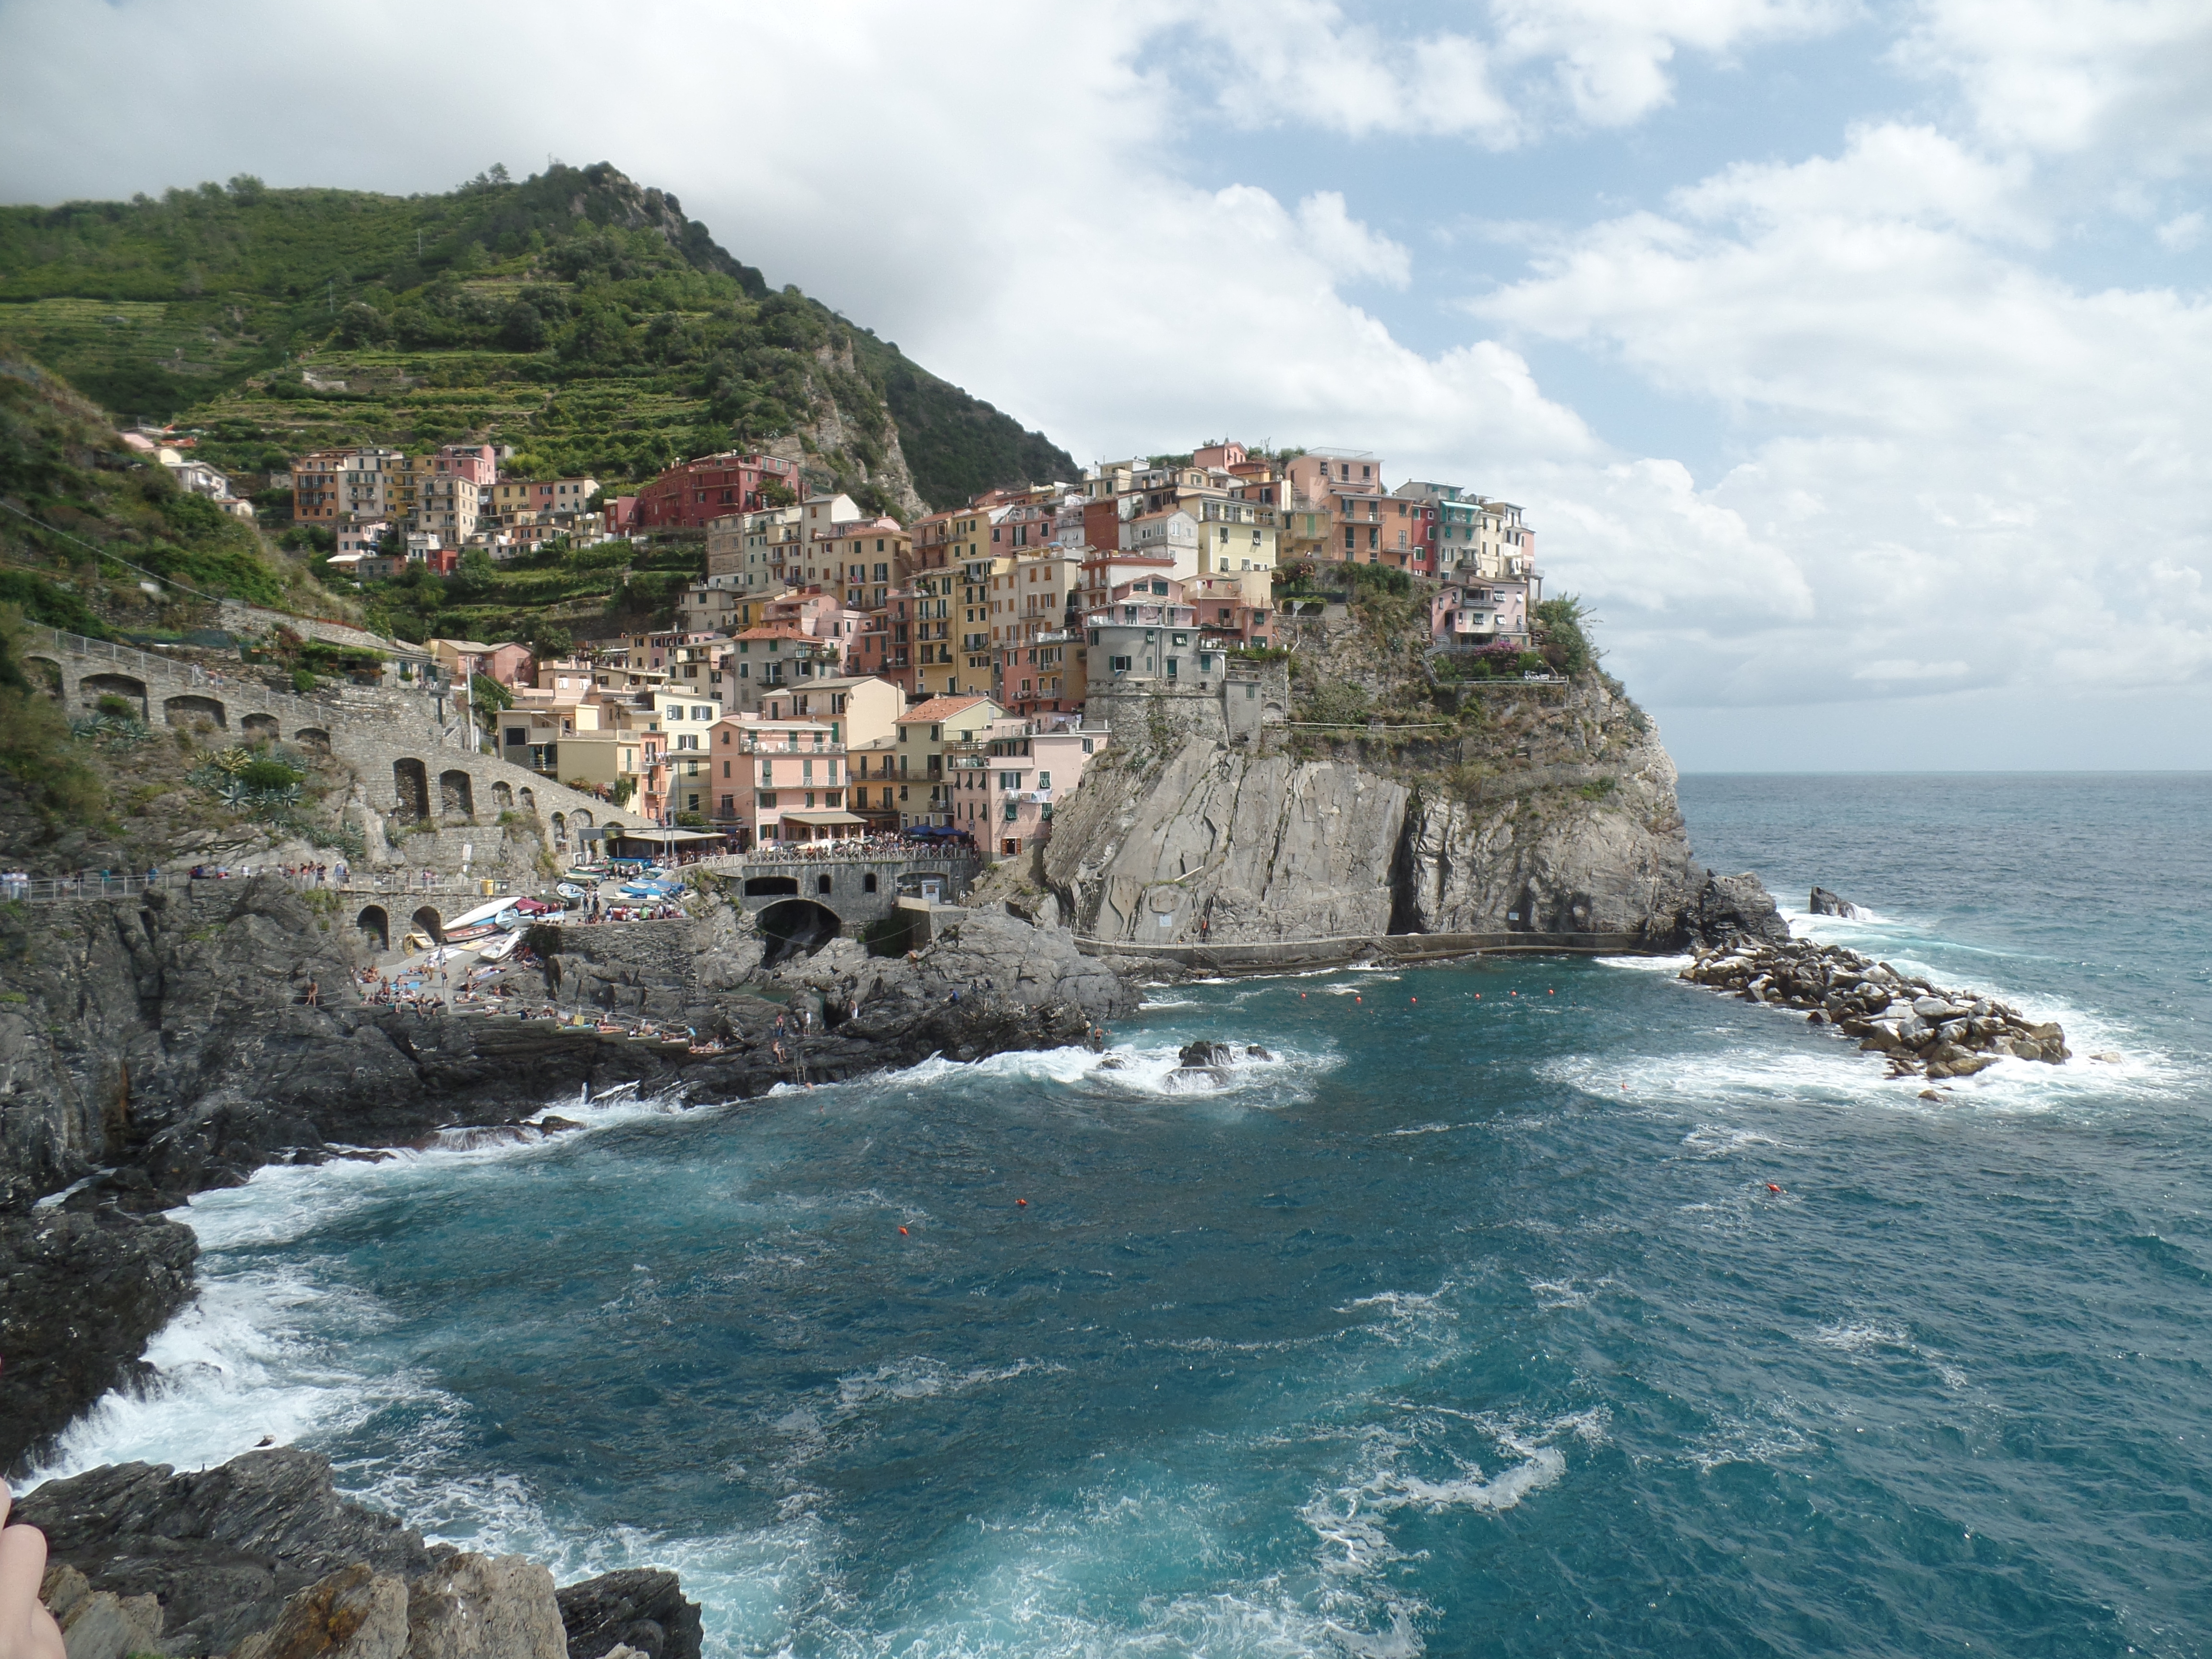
712,486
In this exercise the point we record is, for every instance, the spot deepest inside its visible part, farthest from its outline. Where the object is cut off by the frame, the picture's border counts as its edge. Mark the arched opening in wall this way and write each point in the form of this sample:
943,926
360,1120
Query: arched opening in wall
561,829
92,687
427,922
821,885
314,735
46,675
410,788
192,711
457,794
797,927
868,882
582,819
502,796
375,927
529,799
261,728
771,886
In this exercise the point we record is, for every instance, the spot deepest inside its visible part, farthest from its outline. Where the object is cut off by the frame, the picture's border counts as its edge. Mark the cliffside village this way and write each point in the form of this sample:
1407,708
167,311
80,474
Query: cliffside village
835,674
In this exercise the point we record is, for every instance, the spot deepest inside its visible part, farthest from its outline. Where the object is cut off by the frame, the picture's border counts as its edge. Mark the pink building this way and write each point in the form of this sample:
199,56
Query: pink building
1492,612
780,781
511,664
1003,793
477,463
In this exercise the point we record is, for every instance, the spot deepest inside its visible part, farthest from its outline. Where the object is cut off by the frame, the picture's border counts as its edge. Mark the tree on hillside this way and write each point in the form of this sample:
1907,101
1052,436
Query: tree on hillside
549,640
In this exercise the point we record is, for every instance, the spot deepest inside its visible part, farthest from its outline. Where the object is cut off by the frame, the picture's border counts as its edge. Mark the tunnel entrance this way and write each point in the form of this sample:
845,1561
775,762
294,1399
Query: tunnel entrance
797,927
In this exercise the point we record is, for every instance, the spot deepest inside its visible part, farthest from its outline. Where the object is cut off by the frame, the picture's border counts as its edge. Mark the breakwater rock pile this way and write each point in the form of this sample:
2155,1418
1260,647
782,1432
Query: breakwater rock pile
1922,1030
260,1559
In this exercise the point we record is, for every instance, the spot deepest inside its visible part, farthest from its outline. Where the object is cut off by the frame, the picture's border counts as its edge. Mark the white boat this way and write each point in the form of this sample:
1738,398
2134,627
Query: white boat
483,912
501,948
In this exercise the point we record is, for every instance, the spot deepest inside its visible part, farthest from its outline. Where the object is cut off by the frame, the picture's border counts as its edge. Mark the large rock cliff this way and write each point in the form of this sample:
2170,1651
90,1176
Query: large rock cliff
1544,808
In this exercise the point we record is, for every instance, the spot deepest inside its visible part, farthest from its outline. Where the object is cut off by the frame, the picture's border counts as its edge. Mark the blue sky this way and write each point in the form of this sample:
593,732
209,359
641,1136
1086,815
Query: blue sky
1852,359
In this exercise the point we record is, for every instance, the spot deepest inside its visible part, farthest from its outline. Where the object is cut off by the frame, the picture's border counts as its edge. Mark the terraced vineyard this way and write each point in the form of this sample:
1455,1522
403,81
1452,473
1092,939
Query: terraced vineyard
576,315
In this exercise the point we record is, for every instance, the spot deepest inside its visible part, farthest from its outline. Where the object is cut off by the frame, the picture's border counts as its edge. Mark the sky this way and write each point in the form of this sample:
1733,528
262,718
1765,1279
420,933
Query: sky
1851,361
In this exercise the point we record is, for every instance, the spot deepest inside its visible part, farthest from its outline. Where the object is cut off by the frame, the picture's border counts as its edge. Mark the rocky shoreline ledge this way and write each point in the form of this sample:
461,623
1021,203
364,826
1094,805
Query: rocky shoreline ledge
261,1559
151,1048
1921,1029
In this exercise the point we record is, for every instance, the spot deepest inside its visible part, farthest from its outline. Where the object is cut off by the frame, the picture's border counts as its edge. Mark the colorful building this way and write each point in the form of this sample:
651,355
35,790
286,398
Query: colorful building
689,496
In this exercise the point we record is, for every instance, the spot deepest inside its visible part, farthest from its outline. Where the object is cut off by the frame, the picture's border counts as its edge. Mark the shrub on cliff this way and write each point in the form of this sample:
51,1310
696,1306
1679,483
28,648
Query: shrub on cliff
35,748
1564,636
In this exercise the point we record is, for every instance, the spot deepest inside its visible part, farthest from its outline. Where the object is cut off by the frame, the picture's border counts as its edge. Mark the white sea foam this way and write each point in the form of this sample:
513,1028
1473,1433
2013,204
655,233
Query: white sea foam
1719,1140
245,1361
1646,964
1855,1336
1553,1294
1146,1071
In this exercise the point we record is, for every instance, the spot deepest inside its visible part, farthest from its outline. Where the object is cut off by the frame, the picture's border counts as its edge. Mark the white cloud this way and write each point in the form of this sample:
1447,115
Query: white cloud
1606,63
2182,232
1904,668
2066,76
1304,61
1983,476
1611,58
1887,173
1345,246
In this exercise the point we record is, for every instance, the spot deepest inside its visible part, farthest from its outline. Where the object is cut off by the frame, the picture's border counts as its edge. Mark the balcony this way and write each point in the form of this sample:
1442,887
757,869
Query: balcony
755,746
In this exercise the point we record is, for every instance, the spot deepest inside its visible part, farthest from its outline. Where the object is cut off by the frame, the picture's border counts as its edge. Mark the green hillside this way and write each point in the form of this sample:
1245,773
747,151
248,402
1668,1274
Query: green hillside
88,527
576,315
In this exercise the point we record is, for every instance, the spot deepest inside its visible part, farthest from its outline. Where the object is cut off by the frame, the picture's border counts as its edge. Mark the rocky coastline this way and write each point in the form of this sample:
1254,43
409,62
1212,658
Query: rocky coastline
261,1559
160,1046
157,1046
1920,1029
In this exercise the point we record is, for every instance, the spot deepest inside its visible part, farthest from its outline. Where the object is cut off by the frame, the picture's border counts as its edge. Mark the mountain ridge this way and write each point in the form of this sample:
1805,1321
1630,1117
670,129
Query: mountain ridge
576,314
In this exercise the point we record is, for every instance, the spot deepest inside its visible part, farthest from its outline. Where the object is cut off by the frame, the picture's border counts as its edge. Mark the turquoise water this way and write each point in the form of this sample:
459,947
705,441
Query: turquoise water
1471,1323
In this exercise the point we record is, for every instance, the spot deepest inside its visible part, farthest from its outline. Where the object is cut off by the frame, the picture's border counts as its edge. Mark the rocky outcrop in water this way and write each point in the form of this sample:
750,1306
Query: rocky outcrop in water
260,1559
1825,903
642,1610
1922,1029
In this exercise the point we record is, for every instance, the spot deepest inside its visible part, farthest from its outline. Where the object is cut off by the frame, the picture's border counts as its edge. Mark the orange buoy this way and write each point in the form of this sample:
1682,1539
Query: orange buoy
1022,1203
1771,1187
902,1233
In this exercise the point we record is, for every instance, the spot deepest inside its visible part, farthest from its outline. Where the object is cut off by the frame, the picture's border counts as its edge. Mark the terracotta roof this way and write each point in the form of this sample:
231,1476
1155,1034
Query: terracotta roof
940,709
776,631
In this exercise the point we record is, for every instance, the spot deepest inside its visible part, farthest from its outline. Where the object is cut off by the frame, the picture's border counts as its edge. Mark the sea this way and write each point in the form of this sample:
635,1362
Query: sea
1523,1307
